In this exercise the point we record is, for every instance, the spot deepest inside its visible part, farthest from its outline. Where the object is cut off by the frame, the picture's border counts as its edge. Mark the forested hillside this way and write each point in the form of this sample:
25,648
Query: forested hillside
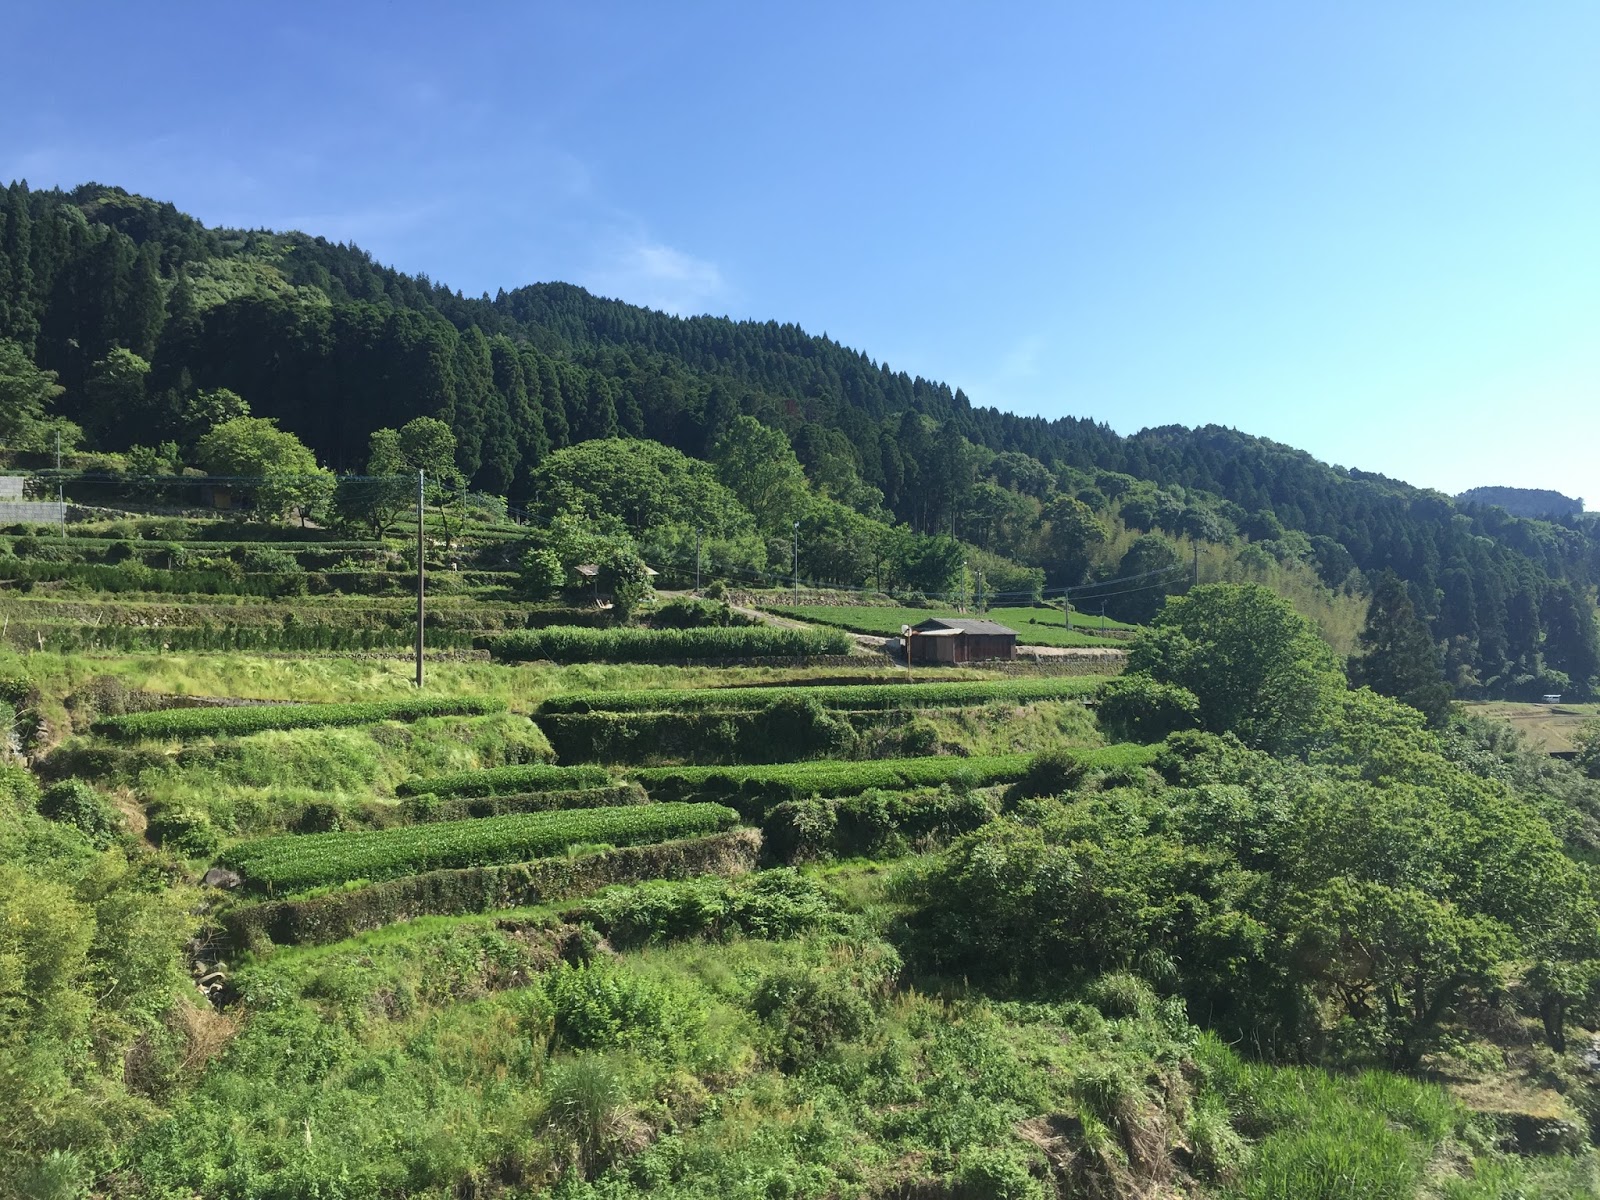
143,330
1525,502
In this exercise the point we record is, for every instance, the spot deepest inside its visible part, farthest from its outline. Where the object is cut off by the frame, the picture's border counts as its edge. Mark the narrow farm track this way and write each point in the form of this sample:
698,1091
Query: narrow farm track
865,644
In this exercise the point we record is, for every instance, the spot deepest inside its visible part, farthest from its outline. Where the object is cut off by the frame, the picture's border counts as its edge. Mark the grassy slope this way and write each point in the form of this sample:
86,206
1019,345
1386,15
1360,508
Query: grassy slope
1547,727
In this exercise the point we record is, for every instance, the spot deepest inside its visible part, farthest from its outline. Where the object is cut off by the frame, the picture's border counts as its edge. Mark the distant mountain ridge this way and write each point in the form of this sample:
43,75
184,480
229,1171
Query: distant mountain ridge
1534,503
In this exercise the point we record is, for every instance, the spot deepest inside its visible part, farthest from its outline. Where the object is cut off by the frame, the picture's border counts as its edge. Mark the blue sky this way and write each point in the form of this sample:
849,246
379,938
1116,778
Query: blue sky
1368,230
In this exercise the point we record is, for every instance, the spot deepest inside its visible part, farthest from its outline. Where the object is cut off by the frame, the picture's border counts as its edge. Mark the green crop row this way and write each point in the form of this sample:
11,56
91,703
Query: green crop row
225,722
344,913
295,862
498,781
429,807
850,697
568,644
756,789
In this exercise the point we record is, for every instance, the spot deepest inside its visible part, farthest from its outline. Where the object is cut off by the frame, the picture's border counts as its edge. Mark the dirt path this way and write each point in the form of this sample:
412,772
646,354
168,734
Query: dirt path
869,643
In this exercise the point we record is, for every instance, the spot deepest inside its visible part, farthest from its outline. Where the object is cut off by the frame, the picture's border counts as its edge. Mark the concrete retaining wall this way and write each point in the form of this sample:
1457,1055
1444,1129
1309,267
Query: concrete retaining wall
32,512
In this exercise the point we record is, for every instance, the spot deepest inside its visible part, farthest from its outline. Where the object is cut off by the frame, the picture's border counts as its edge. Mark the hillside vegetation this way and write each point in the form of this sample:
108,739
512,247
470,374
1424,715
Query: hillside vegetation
673,879
753,452
1236,931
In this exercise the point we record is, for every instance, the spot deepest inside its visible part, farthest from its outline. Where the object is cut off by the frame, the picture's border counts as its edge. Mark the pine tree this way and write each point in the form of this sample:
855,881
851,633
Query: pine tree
1398,657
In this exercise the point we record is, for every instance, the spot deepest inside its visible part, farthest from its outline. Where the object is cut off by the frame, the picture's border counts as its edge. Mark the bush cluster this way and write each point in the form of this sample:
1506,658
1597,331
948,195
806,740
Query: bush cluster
689,613
852,697
876,823
233,722
792,728
74,802
772,904
558,644
295,862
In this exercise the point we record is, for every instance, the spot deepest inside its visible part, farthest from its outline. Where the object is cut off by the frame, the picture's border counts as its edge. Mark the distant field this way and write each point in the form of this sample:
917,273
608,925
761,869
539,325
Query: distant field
1548,727
1034,626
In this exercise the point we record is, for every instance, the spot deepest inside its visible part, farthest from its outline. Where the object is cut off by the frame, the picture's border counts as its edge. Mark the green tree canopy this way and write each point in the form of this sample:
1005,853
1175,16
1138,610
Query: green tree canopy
1257,667
646,484
277,469
756,463
376,500
26,395
1398,657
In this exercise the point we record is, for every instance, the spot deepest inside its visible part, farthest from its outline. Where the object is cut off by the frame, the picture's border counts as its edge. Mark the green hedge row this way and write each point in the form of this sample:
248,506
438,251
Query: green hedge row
565,645
774,904
256,718
786,731
876,823
428,808
297,862
500,781
853,697
344,914
754,790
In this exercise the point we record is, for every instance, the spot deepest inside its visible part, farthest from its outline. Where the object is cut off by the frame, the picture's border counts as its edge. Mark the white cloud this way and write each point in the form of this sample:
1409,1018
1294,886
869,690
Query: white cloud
656,276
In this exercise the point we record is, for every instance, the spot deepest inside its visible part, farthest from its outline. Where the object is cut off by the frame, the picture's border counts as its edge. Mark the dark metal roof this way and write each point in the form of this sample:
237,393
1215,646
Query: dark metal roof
966,625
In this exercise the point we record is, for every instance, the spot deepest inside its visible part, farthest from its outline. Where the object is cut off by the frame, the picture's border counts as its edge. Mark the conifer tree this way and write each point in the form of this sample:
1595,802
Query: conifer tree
1398,657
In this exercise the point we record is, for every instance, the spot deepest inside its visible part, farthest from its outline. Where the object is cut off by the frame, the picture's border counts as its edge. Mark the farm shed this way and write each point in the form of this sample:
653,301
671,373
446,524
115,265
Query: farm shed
960,639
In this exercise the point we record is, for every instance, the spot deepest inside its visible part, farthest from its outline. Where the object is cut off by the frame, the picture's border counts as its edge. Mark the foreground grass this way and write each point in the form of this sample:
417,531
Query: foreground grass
454,1056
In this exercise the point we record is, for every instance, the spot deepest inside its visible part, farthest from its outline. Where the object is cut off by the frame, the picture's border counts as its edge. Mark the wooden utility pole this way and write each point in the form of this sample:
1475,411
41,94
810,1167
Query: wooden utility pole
420,559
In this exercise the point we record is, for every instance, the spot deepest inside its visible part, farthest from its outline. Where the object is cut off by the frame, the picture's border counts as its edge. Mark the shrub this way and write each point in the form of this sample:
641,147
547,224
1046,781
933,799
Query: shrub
235,722
787,730
74,802
987,1173
773,904
602,1006
1050,773
1135,708
808,1012
875,823
685,612
573,644
18,790
293,862
542,574
184,830
265,560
